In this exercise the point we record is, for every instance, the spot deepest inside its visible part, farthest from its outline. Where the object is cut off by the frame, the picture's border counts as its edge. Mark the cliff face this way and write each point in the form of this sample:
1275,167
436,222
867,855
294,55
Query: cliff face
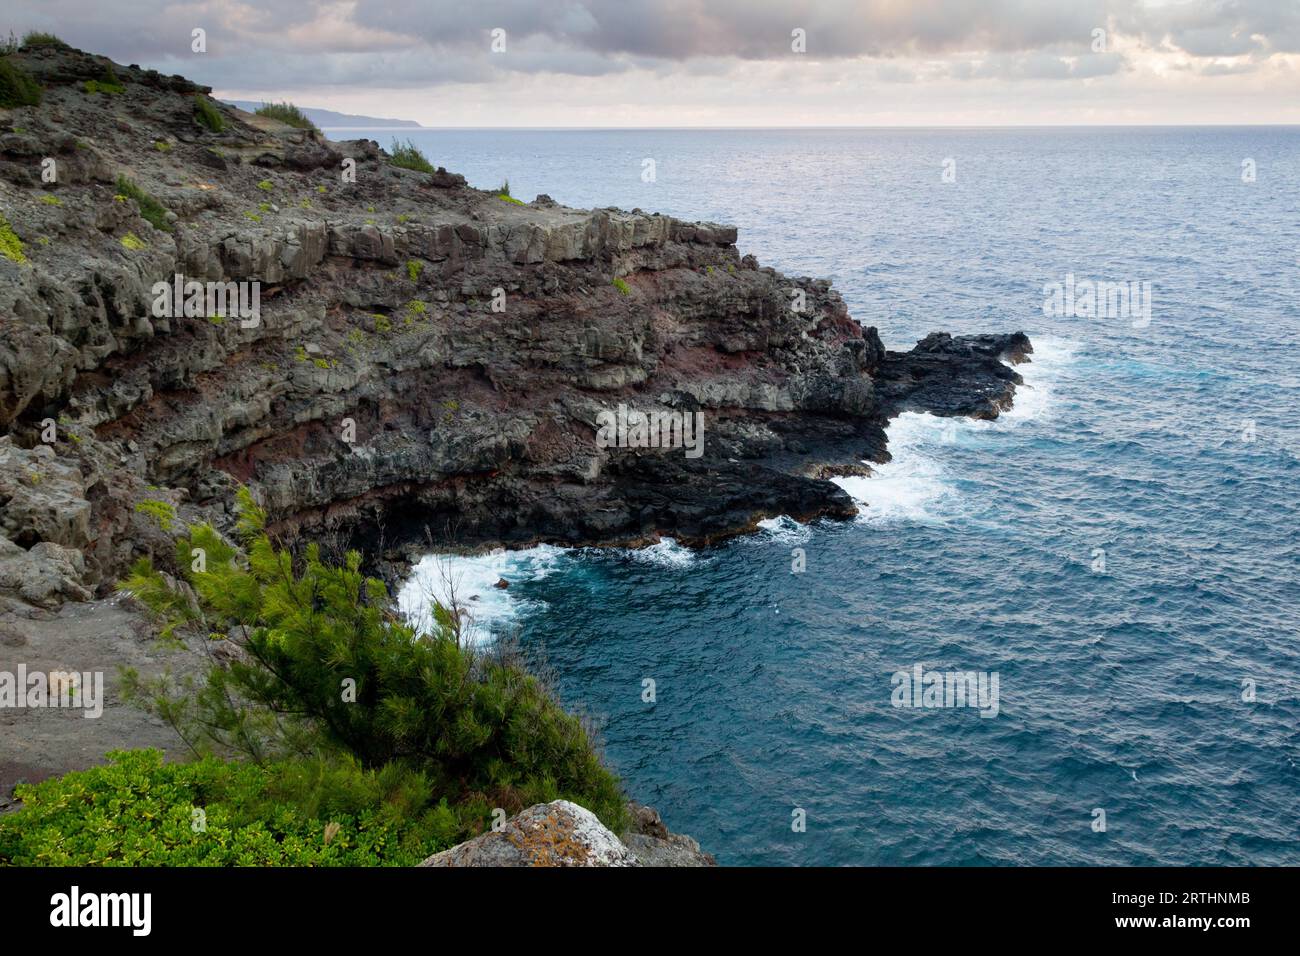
427,355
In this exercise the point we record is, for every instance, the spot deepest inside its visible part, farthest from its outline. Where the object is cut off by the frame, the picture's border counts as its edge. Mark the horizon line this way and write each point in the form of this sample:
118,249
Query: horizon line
798,128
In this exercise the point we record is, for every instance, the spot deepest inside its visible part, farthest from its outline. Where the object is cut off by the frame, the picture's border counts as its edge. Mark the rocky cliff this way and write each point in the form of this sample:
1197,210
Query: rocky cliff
429,358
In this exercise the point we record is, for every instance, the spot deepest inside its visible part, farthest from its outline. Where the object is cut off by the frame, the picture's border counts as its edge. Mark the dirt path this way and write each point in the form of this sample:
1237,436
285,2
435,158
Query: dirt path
36,743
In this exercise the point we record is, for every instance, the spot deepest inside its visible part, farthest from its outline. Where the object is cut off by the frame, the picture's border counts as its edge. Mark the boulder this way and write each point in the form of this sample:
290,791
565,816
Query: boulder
559,833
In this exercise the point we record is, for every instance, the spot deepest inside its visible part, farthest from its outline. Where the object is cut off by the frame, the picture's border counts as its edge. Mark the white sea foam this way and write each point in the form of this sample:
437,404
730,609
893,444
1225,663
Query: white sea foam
916,484
785,530
912,485
469,580
666,553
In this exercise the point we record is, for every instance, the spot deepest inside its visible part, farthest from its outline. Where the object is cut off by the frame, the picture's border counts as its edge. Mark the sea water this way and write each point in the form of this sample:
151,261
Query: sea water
1122,549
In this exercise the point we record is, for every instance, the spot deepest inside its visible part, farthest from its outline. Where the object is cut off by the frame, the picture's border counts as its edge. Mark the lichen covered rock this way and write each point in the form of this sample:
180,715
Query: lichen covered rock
559,833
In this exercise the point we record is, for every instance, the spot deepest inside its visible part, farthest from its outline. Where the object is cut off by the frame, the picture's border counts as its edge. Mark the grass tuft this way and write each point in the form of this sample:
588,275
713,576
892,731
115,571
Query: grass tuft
286,113
408,156
108,84
207,115
151,210
17,88
503,192
11,247
38,40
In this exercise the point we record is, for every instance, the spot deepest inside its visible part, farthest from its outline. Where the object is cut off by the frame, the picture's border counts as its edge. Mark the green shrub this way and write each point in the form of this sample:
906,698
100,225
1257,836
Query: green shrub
622,286
327,667
286,113
408,156
36,40
413,269
309,812
151,210
207,115
266,186
11,247
503,192
17,88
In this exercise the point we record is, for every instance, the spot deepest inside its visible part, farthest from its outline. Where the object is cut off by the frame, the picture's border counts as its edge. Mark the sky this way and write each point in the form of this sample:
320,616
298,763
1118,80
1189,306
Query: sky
646,63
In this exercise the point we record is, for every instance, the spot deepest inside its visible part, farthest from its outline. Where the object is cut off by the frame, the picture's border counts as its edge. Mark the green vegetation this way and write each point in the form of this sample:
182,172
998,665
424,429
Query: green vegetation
413,269
621,286
266,185
365,741
17,88
50,199
207,115
11,247
286,113
151,210
140,811
161,511
408,156
503,192
162,146
133,242
328,669
108,83
416,307
382,323
36,40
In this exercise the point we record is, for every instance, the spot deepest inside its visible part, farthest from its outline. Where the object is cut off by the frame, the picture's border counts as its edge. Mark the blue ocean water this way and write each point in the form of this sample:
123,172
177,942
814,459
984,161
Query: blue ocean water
1123,549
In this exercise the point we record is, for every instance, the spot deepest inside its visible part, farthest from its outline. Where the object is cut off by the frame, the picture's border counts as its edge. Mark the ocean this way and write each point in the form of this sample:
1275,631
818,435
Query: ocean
1121,551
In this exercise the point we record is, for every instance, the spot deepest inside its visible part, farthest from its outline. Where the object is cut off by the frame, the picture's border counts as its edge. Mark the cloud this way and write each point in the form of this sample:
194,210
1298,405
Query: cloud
751,29
697,55
592,37
1216,28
